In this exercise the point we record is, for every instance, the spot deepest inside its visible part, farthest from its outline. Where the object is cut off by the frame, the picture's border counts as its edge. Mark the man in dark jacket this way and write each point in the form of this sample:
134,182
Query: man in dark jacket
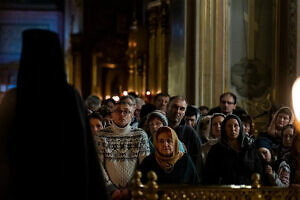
185,133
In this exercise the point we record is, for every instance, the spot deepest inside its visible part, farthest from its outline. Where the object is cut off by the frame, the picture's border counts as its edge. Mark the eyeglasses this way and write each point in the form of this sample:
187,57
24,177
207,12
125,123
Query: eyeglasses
228,102
126,112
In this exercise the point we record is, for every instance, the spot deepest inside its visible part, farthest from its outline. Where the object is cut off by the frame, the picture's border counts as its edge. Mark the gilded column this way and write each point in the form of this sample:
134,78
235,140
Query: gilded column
152,66
163,51
73,28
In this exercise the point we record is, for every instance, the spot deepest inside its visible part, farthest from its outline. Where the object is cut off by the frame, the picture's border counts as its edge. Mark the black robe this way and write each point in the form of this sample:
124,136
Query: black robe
51,149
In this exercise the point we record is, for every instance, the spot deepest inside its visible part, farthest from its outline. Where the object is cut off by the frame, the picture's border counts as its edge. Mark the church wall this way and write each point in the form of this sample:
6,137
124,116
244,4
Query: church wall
13,22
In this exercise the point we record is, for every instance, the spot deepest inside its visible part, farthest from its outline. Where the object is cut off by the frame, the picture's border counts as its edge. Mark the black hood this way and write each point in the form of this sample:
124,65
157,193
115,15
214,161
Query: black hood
241,136
42,62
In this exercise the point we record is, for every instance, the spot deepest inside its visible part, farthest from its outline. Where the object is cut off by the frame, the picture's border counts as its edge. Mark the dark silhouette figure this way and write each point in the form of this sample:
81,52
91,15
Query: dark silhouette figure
51,152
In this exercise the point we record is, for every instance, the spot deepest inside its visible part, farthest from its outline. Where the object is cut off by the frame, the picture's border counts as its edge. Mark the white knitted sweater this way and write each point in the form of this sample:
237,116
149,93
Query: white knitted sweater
120,150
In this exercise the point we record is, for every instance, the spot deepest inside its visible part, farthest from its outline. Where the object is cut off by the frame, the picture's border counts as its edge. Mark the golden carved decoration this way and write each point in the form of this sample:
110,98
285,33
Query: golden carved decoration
158,18
152,186
137,186
152,191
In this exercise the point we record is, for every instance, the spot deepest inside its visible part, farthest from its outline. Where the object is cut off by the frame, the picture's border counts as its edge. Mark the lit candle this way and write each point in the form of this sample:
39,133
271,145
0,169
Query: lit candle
296,145
296,103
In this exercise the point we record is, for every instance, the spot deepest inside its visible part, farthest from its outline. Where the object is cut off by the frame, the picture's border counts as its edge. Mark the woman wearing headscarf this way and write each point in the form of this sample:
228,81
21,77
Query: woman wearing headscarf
170,164
275,173
51,150
233,159
155,120
282,117
214,136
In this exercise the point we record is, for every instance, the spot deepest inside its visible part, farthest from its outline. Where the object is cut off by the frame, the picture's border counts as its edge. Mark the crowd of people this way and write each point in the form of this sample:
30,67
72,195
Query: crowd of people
184,144
90,149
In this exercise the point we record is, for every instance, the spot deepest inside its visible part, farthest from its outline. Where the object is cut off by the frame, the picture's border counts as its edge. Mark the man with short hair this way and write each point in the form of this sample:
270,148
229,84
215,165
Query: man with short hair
192,116
203,110
186,134
228,105
121,148
139,103
131,100
93,103
161,101
109,103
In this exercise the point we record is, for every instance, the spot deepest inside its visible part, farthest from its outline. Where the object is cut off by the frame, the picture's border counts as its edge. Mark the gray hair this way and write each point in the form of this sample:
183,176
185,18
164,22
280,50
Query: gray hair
123,98
93,102
139,100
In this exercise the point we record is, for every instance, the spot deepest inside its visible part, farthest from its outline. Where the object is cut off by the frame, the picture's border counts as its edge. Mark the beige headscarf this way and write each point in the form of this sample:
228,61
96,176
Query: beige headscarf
167,163
272,127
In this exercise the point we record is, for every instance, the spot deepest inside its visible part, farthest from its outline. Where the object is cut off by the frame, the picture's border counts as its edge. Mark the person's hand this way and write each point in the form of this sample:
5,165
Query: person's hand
268,169
124,193
116,195
284,176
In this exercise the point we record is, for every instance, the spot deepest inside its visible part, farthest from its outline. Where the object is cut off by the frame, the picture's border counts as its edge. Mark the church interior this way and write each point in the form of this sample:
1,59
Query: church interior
198,48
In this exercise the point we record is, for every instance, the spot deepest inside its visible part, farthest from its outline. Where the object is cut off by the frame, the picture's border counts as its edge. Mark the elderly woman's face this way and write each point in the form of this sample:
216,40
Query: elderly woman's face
232,129
165,144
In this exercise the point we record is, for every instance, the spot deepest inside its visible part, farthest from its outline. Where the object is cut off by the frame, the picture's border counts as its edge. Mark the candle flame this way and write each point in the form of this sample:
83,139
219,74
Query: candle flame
296,98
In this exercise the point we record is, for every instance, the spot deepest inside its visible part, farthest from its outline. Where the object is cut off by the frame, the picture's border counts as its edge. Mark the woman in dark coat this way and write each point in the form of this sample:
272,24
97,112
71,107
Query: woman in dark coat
170,164
234,159
51,151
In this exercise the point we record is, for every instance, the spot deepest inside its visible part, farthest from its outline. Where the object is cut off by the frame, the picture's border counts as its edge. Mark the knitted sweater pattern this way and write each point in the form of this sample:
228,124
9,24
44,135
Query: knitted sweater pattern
119,151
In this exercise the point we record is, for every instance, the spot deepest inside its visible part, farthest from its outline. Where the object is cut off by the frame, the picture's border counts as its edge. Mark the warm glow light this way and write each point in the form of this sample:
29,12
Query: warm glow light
116,98
125,93
107,97
148,93
296,98
111,66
